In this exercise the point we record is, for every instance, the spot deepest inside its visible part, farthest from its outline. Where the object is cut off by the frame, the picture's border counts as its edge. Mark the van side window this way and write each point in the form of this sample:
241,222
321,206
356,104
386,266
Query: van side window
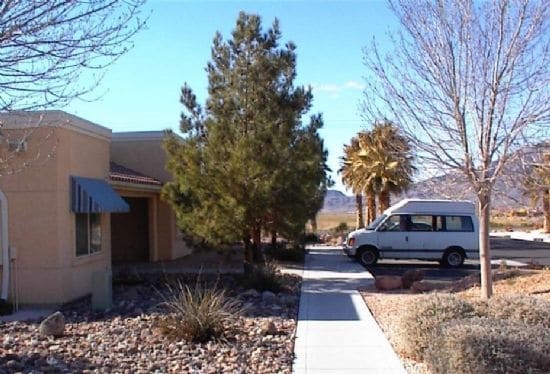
438,223
420,223
395,223
459,223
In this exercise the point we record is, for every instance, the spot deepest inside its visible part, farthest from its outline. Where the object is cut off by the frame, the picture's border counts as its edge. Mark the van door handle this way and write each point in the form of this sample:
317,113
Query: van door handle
406,238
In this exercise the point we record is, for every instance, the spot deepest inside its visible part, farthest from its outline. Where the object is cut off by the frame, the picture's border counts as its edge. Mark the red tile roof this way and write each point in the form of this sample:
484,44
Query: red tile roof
121,173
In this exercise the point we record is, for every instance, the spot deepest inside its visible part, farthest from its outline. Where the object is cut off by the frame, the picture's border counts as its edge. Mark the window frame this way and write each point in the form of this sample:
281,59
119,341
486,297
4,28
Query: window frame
93,236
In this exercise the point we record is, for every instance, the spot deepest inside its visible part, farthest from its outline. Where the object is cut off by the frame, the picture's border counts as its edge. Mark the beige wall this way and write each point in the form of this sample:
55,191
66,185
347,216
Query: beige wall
165,241
144,152
145,155
41,223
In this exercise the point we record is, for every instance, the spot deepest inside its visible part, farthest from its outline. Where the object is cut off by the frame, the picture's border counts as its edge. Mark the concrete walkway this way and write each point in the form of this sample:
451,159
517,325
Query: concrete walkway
336,332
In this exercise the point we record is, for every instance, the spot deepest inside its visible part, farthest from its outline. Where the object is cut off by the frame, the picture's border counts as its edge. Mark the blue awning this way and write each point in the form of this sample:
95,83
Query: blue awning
90,195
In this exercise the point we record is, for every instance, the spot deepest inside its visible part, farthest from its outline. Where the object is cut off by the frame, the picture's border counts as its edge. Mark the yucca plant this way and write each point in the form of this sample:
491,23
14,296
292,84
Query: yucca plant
199,313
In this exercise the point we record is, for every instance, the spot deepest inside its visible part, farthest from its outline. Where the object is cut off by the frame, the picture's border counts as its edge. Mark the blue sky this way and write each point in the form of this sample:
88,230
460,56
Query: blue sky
141,91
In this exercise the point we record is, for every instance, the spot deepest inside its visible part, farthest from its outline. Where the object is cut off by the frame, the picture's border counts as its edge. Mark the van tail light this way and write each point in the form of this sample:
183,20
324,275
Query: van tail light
351,242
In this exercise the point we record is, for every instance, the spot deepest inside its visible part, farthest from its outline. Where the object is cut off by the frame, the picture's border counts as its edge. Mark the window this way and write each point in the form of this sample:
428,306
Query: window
459,223
88,233
374,224
394,223
420,223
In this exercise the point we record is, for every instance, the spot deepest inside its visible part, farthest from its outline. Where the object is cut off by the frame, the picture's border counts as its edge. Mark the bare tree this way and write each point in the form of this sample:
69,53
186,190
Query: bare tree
469,82
45,47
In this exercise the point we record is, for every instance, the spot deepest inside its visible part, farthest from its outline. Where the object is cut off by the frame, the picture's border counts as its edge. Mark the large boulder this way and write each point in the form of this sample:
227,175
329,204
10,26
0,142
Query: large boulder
53,325
411,276
388,282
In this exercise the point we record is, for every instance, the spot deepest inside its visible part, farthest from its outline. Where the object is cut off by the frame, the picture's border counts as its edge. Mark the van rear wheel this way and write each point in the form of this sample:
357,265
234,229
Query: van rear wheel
367,256
453,258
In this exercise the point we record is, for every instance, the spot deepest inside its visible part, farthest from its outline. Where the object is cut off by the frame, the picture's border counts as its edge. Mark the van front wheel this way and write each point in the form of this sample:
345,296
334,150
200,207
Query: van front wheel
453,258
367,256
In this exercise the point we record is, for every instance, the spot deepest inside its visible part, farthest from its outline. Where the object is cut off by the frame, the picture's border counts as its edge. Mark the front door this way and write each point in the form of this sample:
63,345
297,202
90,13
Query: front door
130,232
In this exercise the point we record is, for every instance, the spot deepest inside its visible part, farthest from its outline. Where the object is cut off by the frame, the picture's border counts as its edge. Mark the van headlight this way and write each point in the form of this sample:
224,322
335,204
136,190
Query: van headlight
351,242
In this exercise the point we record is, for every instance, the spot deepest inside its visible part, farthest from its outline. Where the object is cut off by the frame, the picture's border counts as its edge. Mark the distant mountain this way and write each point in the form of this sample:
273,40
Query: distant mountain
338,202
507,193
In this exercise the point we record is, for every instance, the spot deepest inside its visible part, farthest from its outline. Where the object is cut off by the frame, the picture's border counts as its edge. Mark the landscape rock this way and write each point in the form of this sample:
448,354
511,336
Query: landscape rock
261,340
53,325
388,282
250,293
268,328
411,276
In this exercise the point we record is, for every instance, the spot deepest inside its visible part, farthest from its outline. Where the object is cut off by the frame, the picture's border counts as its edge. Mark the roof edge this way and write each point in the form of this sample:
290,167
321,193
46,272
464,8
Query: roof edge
139,135
53,118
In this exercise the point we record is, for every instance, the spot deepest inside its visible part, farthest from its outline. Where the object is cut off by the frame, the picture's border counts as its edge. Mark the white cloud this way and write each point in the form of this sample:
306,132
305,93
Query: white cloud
335,88
355,85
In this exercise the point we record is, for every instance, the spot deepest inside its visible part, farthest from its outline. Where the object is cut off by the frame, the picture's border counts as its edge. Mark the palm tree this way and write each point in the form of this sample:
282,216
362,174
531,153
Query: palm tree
350,179
377,163
390,158
355,172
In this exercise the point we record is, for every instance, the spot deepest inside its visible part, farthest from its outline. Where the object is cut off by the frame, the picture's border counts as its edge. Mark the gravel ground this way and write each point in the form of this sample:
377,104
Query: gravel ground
127,338
386,306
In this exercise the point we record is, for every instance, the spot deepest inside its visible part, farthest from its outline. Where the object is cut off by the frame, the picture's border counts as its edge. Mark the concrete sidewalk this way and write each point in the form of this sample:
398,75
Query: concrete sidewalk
336,332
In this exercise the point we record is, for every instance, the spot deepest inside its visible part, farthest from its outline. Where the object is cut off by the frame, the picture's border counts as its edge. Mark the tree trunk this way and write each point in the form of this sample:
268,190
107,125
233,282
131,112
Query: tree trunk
360,221
484,200
314,225
257,245
273,238
248,255
383,201
546,210
371,207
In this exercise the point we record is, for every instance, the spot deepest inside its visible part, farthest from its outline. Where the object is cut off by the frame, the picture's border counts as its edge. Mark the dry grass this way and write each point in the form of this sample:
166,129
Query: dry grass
387,307
327,221
508,222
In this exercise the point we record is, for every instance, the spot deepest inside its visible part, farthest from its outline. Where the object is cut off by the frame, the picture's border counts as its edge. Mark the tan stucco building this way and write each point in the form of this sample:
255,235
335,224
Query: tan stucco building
79,199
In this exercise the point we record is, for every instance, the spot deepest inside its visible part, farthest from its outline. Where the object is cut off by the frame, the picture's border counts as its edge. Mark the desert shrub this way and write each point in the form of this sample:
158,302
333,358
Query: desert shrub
263,277
284,252
485,345
421,317
529,309
198,313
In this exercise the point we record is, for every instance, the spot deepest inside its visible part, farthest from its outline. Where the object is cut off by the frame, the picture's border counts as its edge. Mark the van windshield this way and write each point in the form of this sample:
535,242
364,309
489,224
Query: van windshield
374,224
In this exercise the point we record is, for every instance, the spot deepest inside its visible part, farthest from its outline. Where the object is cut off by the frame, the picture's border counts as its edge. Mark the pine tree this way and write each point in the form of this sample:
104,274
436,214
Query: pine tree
246,162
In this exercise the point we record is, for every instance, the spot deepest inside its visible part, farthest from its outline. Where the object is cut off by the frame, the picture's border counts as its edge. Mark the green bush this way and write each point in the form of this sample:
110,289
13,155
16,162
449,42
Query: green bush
200,313
529,309
263,277
421,317
488,345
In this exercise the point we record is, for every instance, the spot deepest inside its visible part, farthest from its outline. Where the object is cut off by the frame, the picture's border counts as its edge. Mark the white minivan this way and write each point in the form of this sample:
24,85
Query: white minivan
442,230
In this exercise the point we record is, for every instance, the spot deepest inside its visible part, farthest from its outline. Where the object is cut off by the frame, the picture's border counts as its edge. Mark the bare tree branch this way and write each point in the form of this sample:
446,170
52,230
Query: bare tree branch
46,45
